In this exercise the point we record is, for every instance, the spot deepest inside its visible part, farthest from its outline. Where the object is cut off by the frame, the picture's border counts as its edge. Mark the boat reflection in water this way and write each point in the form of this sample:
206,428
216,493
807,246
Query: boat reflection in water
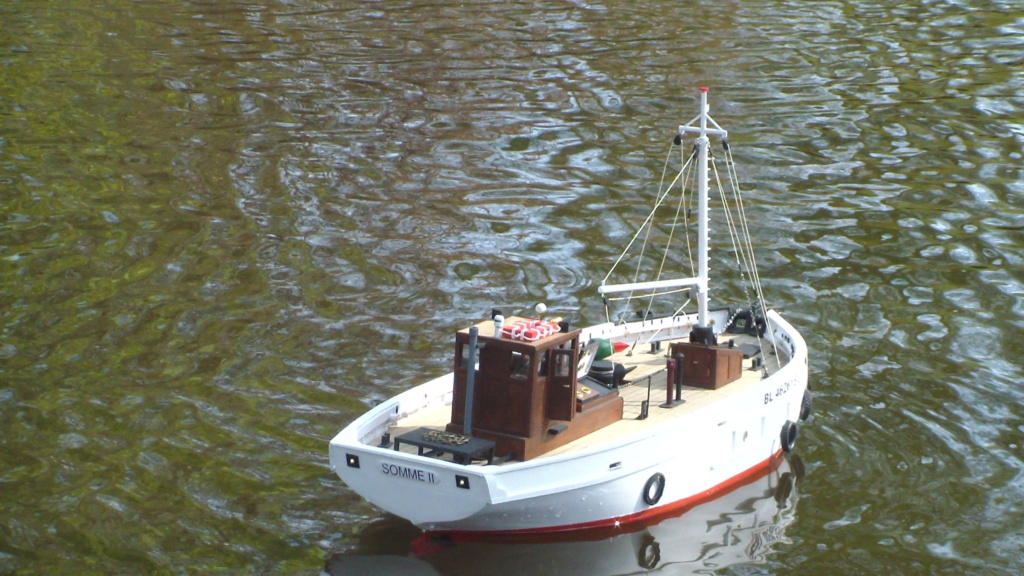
735,527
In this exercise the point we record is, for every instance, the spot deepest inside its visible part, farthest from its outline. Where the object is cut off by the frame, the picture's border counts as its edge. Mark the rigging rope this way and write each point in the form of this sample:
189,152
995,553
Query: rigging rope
739,234
742,241
672,230
647,225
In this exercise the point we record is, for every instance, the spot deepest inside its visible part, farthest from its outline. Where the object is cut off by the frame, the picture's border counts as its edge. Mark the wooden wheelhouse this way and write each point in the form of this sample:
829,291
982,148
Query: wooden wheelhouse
527,398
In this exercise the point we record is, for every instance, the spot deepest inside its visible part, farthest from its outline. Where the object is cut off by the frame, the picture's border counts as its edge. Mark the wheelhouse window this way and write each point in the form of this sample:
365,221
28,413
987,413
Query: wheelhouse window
462,354
520,366
563,363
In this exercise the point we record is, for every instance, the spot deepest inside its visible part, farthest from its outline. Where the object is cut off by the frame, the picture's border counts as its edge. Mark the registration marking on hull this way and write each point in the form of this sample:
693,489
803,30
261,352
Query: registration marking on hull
407,472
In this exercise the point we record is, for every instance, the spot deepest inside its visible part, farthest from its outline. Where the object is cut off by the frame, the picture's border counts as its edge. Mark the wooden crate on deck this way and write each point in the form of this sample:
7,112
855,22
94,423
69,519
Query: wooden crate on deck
707,366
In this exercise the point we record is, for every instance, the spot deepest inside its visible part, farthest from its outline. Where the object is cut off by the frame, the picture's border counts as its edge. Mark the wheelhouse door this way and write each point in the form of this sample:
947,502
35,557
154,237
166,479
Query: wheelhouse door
561,393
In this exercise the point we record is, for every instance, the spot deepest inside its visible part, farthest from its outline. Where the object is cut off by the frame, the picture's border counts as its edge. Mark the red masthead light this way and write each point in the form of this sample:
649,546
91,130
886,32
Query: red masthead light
704,88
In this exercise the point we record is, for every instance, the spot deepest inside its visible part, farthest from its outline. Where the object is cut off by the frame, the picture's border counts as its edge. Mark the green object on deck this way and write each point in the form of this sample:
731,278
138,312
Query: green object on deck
604,349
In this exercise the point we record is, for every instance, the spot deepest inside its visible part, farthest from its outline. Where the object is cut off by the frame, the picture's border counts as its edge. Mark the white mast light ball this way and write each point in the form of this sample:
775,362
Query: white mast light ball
541,308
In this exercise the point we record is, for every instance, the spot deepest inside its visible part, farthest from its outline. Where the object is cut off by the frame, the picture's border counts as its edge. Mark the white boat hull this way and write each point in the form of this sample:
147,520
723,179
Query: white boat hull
699,455
739,526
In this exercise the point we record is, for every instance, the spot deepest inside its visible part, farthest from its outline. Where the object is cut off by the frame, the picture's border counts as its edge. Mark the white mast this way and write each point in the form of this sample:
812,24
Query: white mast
702,131
703,125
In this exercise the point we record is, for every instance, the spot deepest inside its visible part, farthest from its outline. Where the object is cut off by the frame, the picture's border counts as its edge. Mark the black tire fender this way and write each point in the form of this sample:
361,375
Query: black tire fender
654,488
788,436
805,405
649,554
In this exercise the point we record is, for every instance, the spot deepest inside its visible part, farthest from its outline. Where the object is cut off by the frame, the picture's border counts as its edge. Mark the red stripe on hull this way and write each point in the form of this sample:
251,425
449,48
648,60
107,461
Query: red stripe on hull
601,529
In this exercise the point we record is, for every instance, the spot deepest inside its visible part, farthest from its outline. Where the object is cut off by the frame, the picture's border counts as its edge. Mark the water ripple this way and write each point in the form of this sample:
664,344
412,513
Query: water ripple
210,208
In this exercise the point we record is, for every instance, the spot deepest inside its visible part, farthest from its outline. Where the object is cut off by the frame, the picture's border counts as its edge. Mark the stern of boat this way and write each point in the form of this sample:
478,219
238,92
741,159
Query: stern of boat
421,490
418,488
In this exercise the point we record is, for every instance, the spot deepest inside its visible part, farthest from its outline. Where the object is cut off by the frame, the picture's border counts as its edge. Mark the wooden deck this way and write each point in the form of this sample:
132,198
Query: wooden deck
645,381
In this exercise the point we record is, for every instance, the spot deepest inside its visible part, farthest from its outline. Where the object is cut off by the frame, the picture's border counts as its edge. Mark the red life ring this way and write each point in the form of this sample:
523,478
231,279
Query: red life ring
531,335
529,330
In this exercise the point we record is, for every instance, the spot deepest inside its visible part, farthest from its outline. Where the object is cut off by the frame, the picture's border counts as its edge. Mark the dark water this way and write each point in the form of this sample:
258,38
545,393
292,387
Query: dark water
227,227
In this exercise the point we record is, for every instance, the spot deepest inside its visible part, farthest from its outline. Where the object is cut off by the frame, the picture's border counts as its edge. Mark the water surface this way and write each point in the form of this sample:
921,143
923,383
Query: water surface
228,228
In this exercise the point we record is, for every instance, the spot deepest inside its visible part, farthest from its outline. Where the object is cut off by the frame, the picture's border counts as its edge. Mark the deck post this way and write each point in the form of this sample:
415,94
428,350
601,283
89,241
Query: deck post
467,420
679,377
670,377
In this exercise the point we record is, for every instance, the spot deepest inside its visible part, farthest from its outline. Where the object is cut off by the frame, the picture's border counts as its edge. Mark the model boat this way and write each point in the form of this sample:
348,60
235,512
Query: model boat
542,426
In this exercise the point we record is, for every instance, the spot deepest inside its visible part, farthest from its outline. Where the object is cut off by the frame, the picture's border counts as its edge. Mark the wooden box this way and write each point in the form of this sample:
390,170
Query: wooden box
709,367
